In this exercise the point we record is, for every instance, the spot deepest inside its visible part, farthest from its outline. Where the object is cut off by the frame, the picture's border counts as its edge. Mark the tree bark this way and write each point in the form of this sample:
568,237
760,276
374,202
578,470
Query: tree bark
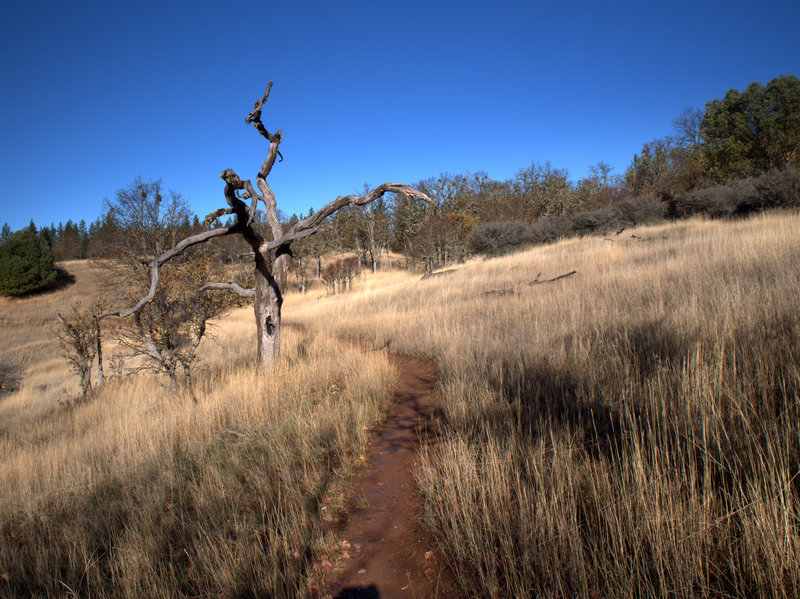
267,308
100,374
187,379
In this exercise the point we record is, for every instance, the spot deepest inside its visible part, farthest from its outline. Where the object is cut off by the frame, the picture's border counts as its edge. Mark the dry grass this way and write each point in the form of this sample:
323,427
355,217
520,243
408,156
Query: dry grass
135,493
26,331
630,431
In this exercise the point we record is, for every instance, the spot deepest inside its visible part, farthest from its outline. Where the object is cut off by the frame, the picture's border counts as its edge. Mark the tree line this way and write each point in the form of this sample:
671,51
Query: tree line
739,155
742,135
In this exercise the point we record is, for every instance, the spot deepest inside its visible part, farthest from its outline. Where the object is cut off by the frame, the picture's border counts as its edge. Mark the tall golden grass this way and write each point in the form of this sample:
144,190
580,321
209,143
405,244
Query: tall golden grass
629,431
26,329
135,493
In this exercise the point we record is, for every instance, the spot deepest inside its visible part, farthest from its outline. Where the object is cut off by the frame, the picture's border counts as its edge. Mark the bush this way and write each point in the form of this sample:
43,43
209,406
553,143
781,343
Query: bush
778,188
640,210
499,237
551,228
26,263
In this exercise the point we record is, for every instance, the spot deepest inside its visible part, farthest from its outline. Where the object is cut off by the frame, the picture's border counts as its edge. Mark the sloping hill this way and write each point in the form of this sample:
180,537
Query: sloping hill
627,431
27,326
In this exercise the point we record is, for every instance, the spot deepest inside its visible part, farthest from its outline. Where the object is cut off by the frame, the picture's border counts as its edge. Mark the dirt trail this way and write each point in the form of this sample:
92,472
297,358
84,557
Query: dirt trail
388,554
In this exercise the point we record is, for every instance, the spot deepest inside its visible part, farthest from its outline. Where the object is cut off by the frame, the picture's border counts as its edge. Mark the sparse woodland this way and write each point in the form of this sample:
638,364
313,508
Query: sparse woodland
617,399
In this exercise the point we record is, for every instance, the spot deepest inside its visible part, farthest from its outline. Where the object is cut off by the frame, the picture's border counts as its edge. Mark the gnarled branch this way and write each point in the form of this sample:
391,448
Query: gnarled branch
254,118
310,225
216,214
237,289
168,255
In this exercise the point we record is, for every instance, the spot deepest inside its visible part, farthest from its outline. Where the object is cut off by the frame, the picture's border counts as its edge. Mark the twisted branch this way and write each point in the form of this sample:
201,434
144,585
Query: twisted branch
237,289
310,225
254,118
168,255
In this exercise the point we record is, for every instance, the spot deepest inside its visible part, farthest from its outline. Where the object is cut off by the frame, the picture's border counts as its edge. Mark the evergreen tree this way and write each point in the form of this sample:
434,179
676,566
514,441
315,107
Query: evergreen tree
26,263
750,132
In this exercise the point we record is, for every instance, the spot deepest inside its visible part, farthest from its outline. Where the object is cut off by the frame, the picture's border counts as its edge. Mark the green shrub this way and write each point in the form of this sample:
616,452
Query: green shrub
26,263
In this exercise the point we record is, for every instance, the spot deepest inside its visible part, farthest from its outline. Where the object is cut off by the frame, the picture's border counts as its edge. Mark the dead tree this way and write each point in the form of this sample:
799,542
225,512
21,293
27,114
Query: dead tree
272,253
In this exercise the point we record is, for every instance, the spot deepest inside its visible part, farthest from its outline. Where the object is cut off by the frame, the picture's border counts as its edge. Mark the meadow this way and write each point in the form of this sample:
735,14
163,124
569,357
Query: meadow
627,431
137,493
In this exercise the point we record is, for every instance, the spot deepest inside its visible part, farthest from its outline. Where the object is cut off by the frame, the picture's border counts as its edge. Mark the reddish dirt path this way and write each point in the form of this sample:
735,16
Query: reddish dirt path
388,554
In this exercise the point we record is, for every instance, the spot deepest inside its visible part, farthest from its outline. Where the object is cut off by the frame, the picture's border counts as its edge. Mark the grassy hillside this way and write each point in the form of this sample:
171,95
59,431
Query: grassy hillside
27,325
628,431
135,493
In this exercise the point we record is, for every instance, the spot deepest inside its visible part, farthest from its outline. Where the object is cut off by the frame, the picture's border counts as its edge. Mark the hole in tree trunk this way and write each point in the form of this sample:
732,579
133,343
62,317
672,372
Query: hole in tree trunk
269,325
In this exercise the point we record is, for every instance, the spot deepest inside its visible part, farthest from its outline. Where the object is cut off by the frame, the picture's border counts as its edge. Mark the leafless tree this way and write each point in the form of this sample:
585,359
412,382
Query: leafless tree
271,252
80,339
168,330
687,127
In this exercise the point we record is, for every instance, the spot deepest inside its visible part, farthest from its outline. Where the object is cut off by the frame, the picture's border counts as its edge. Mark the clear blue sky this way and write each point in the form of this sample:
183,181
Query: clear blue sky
97,93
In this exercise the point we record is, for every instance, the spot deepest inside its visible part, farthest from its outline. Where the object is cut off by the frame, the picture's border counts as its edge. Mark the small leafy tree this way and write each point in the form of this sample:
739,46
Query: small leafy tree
168,330
26,263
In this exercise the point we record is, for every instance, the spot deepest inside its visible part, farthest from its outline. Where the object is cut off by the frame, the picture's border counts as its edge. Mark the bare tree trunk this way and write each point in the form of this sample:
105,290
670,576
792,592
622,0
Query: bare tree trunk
267,307
360,257
86,378
173,382
100,375
187,379
319,267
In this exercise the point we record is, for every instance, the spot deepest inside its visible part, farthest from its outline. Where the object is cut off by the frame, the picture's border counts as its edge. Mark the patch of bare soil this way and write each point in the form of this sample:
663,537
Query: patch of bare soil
385,552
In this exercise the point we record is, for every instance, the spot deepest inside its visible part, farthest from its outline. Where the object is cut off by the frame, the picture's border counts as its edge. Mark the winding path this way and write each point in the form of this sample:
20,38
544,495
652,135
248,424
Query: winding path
389,555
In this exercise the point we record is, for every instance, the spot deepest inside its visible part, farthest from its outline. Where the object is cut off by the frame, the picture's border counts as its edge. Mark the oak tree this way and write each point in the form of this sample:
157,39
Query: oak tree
272,250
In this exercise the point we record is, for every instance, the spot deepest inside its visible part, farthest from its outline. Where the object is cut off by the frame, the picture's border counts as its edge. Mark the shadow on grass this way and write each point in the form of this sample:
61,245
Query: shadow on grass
63,280
588,401
624,384
10,378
